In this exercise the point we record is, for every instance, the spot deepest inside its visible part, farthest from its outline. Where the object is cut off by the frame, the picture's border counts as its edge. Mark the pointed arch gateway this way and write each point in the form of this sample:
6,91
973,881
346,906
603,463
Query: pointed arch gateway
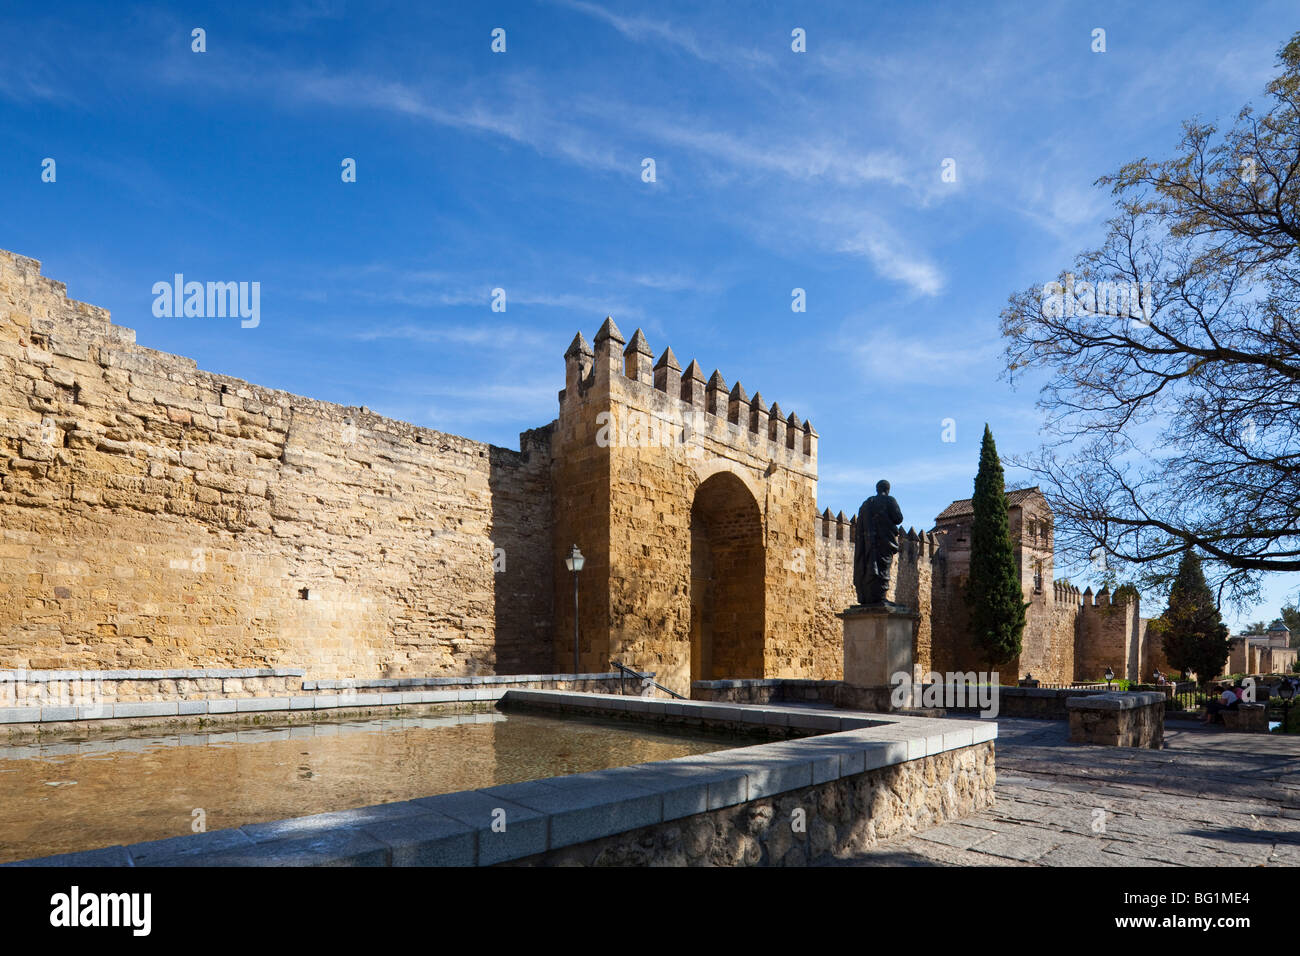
728,603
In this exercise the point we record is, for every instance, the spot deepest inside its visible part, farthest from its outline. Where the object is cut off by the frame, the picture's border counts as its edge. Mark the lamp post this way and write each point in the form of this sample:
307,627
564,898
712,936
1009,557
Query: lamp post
574,563
1110,676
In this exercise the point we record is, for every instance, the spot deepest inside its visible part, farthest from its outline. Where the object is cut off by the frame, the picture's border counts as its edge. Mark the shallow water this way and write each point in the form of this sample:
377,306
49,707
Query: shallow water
82,794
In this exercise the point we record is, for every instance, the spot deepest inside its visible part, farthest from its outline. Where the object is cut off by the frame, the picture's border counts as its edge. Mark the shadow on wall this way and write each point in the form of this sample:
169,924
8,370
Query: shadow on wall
727,581
523,566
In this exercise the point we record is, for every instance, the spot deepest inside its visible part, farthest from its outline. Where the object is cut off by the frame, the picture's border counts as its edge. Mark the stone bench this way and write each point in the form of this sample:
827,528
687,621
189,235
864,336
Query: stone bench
1118,719
1247,718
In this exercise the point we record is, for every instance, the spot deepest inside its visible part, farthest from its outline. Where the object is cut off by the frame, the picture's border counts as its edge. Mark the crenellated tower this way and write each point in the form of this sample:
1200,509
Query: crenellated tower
688,499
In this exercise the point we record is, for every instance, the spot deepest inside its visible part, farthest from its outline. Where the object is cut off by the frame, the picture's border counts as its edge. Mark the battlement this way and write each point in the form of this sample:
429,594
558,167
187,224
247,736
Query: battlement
838,531
1104,598
612,357
46,306
1065,593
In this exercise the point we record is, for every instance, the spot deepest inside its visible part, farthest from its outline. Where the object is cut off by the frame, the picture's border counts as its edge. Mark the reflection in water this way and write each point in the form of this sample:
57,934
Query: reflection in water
79,795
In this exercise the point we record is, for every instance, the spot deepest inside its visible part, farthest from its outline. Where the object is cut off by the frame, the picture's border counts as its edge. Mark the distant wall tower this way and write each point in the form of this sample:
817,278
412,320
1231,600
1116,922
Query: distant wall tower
1047,645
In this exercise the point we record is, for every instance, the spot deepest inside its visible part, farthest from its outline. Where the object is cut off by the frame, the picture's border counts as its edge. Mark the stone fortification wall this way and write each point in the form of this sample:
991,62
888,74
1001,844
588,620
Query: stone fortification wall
154,515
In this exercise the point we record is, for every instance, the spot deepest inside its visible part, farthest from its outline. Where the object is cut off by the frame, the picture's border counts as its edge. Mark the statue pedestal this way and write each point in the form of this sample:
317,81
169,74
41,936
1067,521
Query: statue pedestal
877,647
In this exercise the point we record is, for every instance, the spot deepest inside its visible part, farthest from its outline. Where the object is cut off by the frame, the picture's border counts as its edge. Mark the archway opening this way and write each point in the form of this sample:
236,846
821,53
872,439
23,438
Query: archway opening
727,575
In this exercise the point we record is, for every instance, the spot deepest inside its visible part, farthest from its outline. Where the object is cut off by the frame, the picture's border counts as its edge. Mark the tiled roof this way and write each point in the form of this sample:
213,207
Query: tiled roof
965,507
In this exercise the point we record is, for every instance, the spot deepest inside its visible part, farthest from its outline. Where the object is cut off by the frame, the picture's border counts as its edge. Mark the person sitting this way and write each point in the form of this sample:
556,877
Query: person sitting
1230,699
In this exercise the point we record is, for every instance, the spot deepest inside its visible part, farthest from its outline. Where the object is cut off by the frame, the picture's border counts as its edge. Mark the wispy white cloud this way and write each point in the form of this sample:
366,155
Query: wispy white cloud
776,152
886,355
582,306
603,133
28,89
489,335
893,260
646,29
949,470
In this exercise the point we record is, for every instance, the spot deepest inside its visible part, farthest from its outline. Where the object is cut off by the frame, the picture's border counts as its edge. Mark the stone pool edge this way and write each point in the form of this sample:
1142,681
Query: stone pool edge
525,822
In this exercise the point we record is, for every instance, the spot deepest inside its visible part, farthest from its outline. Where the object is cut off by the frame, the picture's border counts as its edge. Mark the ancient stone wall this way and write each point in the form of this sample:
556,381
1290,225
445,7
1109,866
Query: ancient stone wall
1108,635
834,558
1149,652
1047,646
156,515
951,647
1246,656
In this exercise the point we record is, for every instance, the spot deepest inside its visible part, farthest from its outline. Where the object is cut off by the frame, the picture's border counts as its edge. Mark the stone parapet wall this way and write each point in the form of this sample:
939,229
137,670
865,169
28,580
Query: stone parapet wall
1247,718
876,700
1118,720
836,819
1036,702
50,696
81,688
1041,702
766,691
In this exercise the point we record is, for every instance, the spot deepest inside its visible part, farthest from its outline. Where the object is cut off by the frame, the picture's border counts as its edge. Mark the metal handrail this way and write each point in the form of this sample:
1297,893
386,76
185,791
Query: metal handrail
624,668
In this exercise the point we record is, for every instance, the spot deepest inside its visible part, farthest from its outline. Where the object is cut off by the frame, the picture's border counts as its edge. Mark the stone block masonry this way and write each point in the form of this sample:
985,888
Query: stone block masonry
692,502
835,819
154,515
1118,720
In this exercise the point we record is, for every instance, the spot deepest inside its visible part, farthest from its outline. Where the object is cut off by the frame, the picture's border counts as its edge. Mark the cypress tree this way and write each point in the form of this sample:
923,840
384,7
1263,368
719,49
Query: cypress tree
993,593
1194,637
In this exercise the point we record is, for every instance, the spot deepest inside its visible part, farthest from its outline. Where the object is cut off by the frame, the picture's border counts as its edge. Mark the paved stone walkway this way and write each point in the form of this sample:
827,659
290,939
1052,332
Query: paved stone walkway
1210,798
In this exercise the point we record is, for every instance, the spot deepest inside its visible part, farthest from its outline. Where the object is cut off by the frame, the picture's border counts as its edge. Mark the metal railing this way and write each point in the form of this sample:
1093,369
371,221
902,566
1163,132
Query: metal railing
645,680
1192,698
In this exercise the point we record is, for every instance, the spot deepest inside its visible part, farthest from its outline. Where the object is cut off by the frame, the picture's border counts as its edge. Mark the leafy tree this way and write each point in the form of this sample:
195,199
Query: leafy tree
1172,358
1259,627
993,593
1194,638
1291,618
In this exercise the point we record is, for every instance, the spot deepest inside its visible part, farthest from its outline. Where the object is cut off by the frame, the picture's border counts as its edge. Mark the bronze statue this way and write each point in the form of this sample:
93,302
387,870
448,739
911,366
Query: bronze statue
874,545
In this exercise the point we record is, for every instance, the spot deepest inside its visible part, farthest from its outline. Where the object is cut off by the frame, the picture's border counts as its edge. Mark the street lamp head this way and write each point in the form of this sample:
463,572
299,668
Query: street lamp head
1110,675
1286,690
575,560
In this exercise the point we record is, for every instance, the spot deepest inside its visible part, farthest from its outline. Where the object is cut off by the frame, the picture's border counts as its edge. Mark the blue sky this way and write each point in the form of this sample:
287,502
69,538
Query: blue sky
523,170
